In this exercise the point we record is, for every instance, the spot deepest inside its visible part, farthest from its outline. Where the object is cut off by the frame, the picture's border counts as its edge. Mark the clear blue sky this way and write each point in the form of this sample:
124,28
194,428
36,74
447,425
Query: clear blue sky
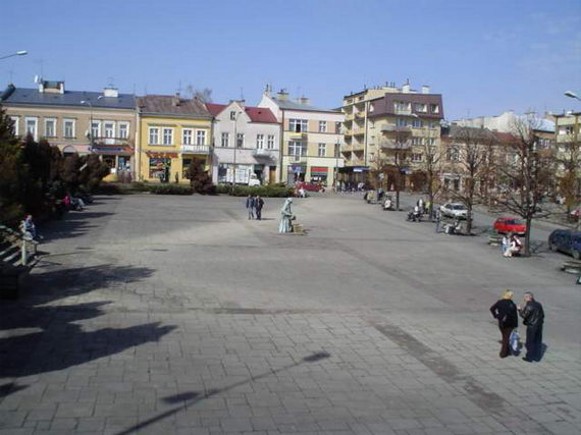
484,57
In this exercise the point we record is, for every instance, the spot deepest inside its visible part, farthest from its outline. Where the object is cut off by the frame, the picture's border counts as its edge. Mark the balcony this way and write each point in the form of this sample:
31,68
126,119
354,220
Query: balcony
297,135
195,149
264,154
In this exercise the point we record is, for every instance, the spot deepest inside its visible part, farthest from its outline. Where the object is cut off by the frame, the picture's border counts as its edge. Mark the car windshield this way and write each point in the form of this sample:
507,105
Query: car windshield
515,222
457,207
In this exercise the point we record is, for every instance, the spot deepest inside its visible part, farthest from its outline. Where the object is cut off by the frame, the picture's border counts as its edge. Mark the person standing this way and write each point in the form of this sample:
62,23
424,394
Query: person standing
258,204
533,318
250,206
286,216
505,311
438,220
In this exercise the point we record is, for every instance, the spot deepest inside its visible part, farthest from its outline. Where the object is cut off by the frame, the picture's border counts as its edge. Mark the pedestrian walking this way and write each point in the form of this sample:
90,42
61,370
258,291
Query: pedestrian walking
438,220
250,206
505,311
533,318
258,205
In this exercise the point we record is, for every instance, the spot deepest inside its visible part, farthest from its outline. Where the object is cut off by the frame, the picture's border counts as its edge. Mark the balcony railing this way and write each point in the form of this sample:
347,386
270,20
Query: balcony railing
264,153
195,149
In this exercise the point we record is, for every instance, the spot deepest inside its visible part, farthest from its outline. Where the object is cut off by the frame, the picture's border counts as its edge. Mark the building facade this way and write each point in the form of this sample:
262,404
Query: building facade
101,123
311,139
172,133
390,127
246,144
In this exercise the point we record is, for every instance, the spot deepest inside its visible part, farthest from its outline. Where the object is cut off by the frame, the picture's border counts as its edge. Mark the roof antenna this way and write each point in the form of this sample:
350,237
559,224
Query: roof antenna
241,93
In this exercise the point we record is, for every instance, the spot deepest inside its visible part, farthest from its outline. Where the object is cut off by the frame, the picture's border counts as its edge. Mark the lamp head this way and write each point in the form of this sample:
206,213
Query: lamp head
21,53
571,94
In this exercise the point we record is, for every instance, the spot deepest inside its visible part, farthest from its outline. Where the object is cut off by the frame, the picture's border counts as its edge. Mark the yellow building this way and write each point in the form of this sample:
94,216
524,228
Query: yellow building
172,132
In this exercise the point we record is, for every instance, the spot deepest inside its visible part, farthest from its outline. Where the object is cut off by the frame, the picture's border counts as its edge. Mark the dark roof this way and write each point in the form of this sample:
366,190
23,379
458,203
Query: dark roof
173,106
32,97
256,114
385,105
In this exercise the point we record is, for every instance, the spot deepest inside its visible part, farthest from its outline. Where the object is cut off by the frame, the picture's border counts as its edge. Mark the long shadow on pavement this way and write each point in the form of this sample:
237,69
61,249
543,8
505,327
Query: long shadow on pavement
56,341
191,398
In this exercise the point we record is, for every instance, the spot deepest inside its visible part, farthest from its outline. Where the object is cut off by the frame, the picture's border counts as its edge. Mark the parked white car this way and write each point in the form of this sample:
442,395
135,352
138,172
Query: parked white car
454,210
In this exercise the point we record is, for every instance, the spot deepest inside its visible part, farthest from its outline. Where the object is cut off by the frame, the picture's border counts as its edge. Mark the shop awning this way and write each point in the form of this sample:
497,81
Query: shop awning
319,170
158,155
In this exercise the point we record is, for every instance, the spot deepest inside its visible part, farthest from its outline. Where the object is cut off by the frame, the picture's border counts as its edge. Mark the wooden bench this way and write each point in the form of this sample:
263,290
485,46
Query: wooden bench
17,257
572,266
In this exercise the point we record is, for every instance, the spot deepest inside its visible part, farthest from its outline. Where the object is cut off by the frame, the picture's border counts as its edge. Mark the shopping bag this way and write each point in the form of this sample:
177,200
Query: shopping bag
514,342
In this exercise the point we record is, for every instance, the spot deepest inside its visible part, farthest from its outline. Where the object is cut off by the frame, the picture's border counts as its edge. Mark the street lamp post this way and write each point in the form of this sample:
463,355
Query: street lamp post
90,133
572,94
235,146
18,53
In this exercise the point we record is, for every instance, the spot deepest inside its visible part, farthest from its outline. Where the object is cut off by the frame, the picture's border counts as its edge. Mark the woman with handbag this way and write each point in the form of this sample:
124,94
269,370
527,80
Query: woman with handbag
505,311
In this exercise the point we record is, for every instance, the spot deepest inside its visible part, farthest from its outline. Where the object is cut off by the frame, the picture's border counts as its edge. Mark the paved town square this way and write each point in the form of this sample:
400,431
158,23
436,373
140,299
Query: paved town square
169,314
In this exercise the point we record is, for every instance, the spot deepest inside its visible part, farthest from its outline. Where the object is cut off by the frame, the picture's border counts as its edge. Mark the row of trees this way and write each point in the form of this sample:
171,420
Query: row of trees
512,172
34,176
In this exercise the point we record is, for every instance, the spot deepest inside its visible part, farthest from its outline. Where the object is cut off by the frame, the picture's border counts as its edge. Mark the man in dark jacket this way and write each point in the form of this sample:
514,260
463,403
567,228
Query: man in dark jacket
533,317
505,311
258,204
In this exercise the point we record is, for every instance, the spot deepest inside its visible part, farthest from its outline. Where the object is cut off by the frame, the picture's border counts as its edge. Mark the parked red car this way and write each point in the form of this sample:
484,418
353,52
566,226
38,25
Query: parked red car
514,225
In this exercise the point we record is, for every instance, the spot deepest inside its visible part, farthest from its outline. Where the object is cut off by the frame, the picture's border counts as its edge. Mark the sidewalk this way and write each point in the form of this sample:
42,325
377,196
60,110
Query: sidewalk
178,315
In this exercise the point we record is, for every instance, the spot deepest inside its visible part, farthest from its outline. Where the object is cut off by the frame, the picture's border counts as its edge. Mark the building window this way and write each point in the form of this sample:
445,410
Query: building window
416,157
15,125
453,154
401,122
69,128
431,141
32,127
153,136
421,107
417,123
298,125
167,136
416,141
322,150
123,130
434,108
270,143
95,129
402,107
201,137
232,115
187,136
50,127
225,140
109,129
297,149
259,141
239,140
322,126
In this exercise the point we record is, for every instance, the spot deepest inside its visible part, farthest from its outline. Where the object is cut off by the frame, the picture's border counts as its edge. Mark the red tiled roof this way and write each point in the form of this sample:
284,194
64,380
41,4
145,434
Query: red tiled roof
215,109
256,114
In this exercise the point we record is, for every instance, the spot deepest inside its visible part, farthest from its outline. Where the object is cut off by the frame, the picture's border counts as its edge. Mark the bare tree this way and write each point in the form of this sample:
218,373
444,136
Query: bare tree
202,95
394,162
527,174
430,165
472,145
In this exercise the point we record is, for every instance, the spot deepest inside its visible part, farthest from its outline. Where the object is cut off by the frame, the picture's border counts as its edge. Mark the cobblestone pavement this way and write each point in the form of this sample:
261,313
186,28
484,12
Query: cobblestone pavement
157,314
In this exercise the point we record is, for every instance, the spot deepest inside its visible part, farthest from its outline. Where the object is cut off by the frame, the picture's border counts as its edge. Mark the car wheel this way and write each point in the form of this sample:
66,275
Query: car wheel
576,254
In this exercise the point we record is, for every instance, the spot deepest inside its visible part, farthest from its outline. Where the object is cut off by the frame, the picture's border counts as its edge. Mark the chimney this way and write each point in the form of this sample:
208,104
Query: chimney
406,88
304,101
175,101
110,91
425,89
282,95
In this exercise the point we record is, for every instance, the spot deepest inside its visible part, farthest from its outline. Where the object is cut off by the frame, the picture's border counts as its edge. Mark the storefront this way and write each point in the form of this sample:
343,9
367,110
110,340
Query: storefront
118,158
319,174
160,165
296,172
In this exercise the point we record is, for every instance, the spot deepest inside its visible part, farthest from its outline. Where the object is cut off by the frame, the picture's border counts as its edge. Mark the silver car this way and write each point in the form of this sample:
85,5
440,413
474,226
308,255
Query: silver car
454,210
